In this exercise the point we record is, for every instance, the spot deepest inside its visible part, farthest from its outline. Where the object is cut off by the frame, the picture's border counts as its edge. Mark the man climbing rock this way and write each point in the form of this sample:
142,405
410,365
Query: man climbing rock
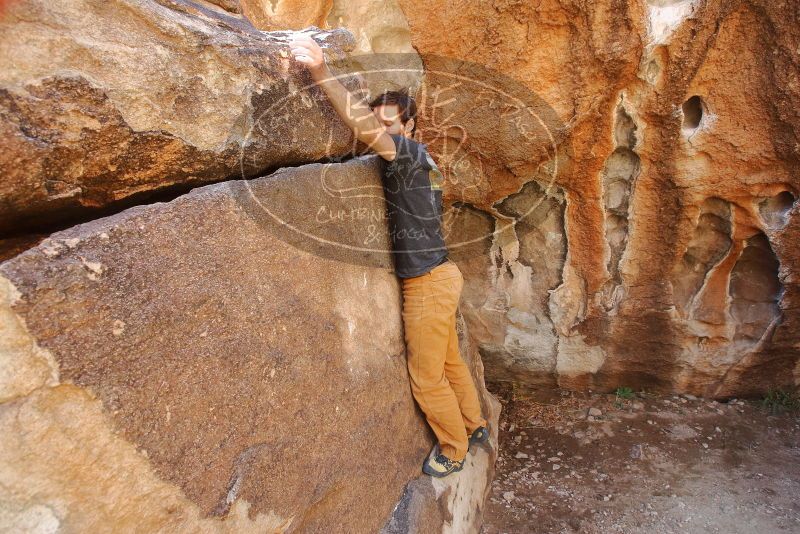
440,380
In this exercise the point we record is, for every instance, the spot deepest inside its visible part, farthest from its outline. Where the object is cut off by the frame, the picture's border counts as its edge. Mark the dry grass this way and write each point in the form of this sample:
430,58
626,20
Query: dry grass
540,414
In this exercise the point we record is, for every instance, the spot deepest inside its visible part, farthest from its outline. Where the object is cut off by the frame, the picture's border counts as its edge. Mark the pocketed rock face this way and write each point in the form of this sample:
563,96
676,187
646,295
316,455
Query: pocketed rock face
104,102
285,14
379,27
523,262
731,132
187,366
710,244
678,159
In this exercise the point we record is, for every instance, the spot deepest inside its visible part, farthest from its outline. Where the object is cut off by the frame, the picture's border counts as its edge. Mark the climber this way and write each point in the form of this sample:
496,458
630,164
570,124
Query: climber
431,283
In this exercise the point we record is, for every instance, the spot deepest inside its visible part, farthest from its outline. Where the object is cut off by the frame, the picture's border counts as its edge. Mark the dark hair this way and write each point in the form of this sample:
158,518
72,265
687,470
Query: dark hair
405,103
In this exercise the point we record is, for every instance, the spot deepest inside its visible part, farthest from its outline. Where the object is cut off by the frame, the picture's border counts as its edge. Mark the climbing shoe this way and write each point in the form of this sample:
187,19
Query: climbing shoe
479,436
439,465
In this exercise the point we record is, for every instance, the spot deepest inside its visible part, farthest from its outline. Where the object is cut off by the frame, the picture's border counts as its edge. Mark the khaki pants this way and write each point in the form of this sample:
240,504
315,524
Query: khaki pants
440,380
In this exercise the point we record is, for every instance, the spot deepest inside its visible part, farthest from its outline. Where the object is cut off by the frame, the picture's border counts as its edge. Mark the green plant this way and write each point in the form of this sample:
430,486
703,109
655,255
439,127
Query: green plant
776,400
624,393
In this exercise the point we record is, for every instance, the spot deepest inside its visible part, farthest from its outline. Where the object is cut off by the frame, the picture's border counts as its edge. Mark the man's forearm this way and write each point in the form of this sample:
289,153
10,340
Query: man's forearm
354,112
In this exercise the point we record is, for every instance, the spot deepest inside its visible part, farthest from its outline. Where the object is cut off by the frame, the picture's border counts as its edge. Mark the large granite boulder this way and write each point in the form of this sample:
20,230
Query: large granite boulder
106,102
215,364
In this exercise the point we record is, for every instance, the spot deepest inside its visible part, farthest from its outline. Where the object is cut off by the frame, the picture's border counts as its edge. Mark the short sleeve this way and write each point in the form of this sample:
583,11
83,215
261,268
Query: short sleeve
434,174
403,150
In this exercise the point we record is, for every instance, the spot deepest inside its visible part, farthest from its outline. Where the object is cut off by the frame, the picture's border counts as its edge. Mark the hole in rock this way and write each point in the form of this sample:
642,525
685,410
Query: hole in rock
710,243
624,129
692,112
540,230
616,233
652,72
620,171
755,289
775,210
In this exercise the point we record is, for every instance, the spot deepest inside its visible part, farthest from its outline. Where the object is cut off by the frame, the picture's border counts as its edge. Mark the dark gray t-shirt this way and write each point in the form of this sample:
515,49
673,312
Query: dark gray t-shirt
412,185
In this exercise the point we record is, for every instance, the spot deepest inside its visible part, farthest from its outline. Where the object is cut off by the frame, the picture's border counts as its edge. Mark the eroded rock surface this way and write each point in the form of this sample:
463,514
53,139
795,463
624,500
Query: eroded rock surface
678,136
379,27
211,374
103,102
624,180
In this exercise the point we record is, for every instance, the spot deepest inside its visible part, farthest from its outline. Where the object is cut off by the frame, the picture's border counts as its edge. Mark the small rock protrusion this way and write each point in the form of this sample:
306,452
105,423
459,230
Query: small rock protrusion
118,328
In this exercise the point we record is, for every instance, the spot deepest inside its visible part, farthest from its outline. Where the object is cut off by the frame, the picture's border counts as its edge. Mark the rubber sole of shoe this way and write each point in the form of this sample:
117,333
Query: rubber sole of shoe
480,441
438,474
428,471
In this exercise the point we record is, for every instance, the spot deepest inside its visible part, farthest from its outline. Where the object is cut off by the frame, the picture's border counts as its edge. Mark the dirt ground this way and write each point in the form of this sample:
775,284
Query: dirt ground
655,464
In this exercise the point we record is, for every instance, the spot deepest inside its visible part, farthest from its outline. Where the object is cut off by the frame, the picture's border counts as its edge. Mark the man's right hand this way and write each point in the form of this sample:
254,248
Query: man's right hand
306,50
355,113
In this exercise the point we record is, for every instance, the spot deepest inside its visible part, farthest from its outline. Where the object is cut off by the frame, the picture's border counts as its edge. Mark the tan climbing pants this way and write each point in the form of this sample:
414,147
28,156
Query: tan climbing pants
440,380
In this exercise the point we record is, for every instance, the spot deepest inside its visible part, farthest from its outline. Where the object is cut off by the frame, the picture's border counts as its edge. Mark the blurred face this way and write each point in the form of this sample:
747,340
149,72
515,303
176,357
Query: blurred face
389,116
